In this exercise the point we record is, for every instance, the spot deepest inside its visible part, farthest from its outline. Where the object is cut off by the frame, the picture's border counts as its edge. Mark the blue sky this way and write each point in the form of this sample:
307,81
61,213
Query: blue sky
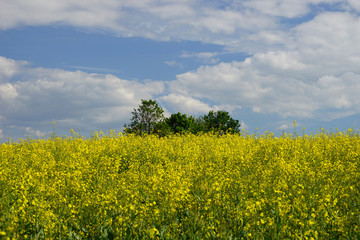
86,64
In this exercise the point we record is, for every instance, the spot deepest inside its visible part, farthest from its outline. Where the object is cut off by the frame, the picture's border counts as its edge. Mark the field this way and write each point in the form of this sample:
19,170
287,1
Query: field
112,186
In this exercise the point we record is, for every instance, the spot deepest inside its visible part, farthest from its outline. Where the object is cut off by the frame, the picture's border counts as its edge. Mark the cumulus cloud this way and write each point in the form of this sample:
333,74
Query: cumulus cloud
285,8
354,4
185,104
244,84
279,7
41,95
206,21
92,13
9,67
314,75
328,42
7,92
279,61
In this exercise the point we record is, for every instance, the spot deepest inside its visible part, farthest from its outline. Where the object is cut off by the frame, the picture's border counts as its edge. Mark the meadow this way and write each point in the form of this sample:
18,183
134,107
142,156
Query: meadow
234,186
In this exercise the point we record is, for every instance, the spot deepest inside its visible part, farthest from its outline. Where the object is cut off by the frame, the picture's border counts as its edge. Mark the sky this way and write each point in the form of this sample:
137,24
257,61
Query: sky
85,65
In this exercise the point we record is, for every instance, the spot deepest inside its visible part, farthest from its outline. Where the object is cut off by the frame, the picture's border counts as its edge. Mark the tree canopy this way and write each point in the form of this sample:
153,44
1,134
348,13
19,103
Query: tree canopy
179,122
149,118
145,117
220,121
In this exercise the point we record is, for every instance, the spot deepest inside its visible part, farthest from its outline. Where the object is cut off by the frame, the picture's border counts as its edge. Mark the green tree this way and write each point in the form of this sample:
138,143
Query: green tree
220,121
162,129
145,117
180,123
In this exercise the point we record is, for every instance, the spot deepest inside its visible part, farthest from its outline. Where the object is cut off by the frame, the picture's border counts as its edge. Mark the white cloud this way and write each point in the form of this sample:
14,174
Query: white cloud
171,63
185,104
314,75
7,92
34,133
289,125
189,105
354,4
244,126
272,37
284,126
329,43
41,95
94,13
174,63
222,83
157,19
246,26
1,134
244,84
199,54
280,61
227,21
282,8
94,69
285,8
204,57
174,10
9,67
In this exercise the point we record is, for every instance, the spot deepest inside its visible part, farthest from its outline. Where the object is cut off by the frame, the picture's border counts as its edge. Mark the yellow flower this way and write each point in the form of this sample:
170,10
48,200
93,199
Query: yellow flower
153,232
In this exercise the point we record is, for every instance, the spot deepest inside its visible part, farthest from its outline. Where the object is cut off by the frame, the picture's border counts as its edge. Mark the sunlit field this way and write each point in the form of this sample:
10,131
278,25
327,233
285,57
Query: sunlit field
112,186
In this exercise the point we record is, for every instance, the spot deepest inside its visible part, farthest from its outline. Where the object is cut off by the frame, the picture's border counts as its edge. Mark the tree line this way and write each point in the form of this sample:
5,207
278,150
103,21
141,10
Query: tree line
149,118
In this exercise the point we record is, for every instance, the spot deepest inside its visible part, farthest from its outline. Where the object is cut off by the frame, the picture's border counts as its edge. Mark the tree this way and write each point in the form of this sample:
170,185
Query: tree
149,118
145,117
220,121
180,123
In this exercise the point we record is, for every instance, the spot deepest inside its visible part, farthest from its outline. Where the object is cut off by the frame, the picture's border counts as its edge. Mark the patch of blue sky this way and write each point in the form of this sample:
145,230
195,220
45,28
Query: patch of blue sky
128,58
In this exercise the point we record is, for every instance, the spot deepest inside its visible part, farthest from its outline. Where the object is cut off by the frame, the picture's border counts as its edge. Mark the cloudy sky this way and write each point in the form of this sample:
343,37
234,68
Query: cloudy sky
86,64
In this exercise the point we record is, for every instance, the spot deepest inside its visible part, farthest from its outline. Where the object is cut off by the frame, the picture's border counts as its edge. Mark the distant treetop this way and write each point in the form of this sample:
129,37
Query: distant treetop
149,118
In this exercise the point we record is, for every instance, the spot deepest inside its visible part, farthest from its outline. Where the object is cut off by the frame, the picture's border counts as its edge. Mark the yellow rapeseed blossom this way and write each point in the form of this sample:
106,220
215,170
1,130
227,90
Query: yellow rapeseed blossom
116,186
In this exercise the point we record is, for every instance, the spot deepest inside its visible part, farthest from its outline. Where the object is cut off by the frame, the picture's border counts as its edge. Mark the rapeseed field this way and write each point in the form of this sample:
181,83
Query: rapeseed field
116,186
